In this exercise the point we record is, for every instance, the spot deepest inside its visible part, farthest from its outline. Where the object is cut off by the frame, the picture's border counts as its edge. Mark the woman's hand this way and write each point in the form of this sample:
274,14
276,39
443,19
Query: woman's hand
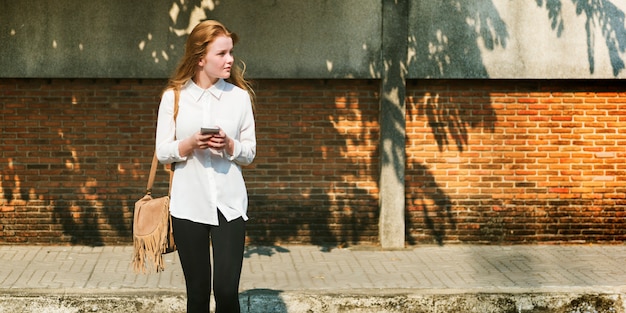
219,141
193,142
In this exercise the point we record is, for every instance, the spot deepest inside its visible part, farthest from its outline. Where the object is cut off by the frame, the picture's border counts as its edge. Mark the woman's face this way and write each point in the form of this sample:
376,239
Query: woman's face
218,60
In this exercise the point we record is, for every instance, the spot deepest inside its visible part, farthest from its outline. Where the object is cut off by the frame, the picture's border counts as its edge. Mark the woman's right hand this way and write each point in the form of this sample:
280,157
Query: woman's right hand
193,142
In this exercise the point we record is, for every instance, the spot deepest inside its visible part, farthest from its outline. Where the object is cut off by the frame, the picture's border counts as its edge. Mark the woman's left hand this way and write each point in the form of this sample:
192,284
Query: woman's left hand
221,141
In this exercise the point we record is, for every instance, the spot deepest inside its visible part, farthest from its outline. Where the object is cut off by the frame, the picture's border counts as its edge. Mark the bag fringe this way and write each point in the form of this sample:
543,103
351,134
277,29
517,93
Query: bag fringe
149,249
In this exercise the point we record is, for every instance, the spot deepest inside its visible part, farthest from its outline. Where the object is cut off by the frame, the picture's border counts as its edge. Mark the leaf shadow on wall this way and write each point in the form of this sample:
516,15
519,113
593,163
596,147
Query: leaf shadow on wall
602,14
451,121
445,41
90,207
327,224
448,40
446,37
11,184
74,207
311,181
448,43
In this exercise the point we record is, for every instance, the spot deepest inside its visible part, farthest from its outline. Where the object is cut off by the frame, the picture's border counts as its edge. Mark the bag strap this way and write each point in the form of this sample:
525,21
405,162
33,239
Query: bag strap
155,161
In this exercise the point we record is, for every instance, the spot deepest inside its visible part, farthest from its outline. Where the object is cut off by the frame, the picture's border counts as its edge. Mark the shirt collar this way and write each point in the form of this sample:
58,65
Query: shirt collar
197,92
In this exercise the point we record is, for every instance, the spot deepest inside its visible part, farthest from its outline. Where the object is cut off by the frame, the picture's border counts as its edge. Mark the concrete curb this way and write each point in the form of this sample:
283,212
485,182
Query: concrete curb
273,301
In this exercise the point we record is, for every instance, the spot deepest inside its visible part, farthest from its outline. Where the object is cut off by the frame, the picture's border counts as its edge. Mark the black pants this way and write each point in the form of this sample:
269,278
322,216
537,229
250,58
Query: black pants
227,240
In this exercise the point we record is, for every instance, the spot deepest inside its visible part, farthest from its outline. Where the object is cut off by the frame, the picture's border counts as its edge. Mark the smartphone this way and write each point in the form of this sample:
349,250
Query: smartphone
209,130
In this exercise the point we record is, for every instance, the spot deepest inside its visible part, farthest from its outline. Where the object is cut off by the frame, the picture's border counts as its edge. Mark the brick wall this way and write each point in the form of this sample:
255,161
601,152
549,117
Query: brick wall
315,177
487,161
516,161
75,155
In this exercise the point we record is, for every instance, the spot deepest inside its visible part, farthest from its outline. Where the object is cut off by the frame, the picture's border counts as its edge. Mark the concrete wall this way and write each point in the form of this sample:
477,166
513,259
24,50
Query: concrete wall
517,39
73,38
317,38
129,39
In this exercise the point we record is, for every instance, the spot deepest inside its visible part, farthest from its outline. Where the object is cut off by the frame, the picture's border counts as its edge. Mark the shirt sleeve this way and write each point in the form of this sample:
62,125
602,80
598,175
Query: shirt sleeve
245,143
166,143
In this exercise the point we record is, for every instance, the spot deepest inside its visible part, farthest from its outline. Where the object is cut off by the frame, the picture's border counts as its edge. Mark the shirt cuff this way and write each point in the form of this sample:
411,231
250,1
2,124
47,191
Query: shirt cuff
177,153
172,153
236,151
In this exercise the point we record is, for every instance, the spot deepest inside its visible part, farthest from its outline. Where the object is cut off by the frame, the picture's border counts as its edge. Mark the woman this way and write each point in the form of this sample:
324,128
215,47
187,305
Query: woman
208,196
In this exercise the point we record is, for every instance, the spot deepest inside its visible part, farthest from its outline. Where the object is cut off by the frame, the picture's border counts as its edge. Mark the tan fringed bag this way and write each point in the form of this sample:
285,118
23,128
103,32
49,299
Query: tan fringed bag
153,235
152,228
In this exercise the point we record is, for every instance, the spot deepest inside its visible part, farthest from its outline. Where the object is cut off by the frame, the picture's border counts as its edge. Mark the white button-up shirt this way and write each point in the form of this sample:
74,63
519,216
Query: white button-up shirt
207,180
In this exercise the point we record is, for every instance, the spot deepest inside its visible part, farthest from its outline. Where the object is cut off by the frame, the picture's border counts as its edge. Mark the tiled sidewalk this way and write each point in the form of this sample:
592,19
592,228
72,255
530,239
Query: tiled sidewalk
451,268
